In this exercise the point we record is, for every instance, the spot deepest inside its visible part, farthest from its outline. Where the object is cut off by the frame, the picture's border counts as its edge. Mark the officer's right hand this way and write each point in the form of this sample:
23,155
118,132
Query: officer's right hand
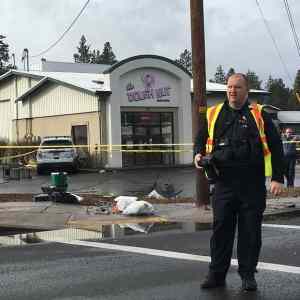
197,160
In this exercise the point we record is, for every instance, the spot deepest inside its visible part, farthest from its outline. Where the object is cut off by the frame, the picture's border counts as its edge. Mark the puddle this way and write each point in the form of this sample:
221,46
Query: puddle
105,232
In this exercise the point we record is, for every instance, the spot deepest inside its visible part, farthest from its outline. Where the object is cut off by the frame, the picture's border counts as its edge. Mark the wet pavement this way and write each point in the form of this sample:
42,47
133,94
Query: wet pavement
167,263
118,182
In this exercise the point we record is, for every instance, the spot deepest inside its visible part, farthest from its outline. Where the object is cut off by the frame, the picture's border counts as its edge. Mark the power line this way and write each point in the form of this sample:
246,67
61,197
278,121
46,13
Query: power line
274,42
62,36
290,17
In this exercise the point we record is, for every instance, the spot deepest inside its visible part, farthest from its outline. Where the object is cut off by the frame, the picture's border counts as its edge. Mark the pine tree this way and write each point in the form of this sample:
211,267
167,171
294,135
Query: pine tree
4,55
220,75
230,72
185,60
84,53
269,83
280,94
253,80
294,100
95,57
107,56
297,83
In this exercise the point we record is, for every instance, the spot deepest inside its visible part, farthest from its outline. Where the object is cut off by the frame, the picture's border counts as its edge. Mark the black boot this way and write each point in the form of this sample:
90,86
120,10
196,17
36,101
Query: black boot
212,281
249,283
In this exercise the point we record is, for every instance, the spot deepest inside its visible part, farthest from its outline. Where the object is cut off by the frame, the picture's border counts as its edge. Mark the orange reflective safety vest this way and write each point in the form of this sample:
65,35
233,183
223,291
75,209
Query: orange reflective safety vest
256,109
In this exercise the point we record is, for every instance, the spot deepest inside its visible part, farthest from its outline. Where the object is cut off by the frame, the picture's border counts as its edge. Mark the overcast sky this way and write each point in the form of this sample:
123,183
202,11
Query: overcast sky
234,31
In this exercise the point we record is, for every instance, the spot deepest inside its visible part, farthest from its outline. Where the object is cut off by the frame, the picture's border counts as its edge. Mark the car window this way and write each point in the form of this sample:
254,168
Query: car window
57,143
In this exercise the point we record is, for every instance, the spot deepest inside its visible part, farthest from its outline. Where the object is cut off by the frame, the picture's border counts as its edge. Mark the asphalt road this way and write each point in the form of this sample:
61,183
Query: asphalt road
92,271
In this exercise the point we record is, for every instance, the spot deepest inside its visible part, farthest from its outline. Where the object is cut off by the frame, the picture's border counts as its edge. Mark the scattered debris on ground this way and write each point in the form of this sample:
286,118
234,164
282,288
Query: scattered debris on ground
125,205
54,194
89,199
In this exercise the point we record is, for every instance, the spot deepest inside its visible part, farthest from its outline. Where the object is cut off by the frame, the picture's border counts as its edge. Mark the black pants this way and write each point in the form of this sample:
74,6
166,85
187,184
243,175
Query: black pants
241,202
290,165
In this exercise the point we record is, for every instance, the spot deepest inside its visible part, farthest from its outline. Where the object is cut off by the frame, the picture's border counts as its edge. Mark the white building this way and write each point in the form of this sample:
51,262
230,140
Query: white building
144,99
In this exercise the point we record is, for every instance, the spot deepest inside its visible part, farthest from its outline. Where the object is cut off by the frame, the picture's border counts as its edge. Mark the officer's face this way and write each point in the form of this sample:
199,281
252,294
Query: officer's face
237,91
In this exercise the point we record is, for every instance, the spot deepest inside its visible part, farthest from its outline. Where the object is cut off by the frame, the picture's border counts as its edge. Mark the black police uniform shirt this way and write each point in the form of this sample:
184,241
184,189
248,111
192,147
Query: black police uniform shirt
237,142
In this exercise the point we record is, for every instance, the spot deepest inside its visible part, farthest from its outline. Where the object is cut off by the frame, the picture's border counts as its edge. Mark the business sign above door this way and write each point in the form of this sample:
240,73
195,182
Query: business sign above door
151,90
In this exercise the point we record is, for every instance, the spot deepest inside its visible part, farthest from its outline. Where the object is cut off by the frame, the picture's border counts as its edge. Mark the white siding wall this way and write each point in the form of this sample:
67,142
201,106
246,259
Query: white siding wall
23,84
59,100
5,120
9,91
7,95
6,90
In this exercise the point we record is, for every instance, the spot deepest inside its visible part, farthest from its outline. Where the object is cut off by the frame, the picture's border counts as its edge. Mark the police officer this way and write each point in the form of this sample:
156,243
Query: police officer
244,147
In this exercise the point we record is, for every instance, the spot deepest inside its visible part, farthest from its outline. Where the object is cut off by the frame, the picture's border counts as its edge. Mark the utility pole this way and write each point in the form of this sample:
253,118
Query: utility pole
25,59
199,89
298,96
14,60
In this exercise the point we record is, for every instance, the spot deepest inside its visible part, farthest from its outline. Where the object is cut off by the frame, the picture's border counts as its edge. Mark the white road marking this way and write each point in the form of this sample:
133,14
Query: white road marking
281,226
177,255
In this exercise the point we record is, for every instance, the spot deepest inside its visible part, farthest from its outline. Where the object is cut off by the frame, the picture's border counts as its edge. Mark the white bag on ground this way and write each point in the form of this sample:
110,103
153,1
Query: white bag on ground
156,195
124,201
139,208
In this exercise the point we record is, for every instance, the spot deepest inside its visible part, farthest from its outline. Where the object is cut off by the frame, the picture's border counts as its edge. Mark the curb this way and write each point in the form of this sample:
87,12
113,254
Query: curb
295,212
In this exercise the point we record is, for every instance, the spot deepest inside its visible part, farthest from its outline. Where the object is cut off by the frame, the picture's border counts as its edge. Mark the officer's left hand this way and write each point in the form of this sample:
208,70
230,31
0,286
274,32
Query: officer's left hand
276,188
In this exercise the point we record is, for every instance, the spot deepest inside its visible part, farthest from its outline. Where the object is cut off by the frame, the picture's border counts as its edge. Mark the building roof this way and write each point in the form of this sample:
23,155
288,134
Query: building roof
93,83
57,66
218,87
146,56
289,117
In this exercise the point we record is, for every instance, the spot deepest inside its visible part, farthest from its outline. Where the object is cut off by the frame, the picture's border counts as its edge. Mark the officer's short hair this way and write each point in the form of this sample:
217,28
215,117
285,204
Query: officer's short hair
243,76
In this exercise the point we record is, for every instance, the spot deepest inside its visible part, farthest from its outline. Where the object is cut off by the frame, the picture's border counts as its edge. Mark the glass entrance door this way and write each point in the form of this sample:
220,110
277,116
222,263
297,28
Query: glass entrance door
140,129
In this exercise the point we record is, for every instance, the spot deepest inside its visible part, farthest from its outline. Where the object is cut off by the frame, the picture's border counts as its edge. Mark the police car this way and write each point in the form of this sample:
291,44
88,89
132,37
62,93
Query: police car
57,153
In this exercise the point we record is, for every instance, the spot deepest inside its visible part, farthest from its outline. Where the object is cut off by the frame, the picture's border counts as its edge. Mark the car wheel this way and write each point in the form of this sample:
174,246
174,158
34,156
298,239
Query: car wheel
39,170
74,168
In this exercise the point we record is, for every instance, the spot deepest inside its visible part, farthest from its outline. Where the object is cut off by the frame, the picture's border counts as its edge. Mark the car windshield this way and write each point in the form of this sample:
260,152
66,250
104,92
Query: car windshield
57,143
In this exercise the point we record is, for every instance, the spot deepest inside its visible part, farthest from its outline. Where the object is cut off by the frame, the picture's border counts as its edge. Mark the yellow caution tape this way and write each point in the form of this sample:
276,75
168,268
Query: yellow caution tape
131,148
156,151
107,145
16,156
92,146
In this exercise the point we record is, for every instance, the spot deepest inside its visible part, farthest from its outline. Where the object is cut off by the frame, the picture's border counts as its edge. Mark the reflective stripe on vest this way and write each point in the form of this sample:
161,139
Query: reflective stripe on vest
256,112
211,115
256,109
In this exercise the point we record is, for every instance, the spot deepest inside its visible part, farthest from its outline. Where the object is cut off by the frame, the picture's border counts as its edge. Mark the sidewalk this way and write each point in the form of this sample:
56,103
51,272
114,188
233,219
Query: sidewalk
51,216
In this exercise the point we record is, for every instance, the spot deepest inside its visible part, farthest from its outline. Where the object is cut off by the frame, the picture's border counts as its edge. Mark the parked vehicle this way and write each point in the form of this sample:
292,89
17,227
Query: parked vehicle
57,153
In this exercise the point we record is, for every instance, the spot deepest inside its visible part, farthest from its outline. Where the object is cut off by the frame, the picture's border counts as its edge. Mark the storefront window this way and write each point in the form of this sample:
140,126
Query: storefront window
144,131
